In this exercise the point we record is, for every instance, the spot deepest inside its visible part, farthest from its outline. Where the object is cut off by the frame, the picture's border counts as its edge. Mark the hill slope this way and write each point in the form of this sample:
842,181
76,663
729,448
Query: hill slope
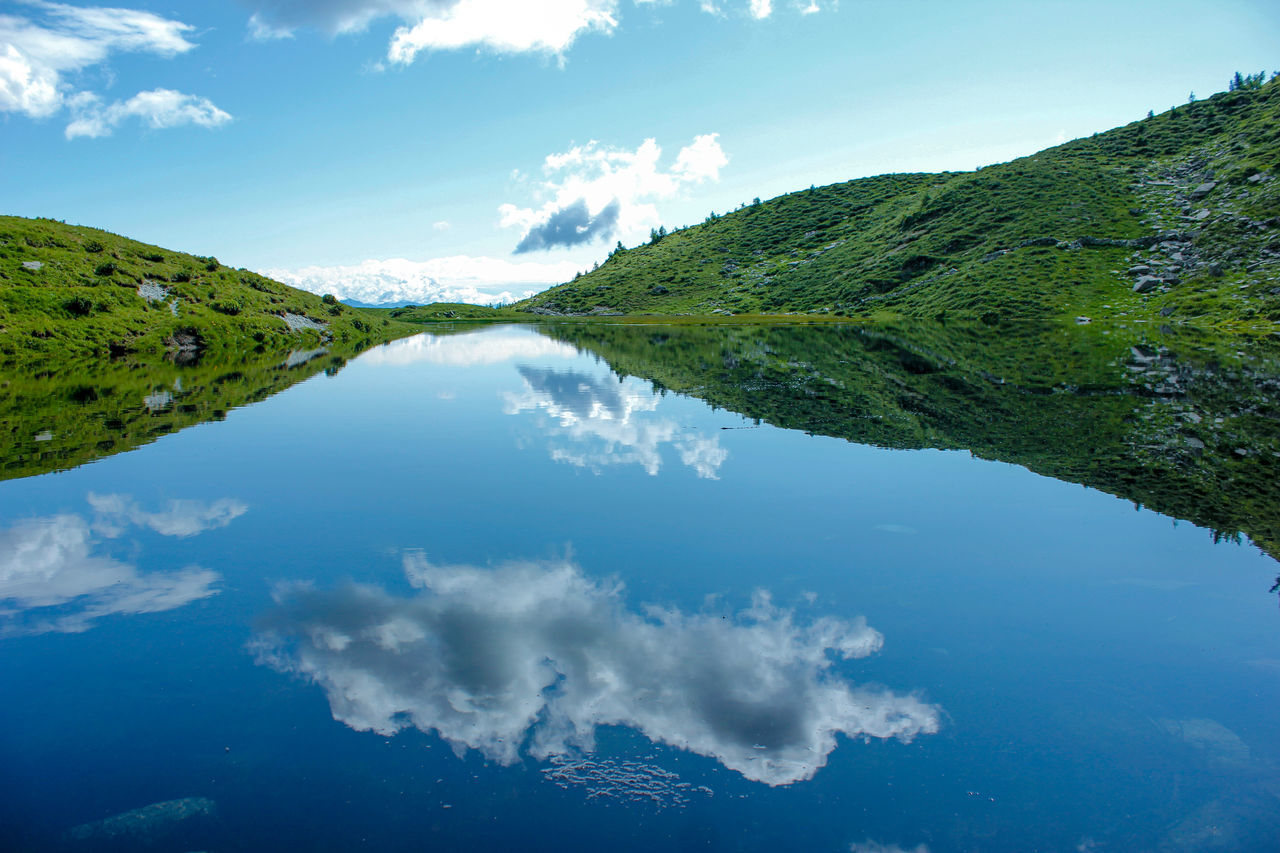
1188,195
68,291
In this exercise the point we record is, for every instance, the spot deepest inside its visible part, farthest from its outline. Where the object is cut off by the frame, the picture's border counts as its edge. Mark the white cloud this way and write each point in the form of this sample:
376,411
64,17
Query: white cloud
533,657
260,30
159,108
608,422
548,26
761,8
458,278
180,518
600,183
442,225
490,346
39,53
53,578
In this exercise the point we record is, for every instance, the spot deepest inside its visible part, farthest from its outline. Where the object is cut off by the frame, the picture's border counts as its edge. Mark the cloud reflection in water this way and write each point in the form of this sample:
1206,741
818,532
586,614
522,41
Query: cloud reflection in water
53,576
608,422
531,657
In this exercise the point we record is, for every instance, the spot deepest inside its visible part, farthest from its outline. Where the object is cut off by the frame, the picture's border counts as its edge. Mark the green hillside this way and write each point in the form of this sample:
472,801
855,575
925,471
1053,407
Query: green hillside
68,291
1177,215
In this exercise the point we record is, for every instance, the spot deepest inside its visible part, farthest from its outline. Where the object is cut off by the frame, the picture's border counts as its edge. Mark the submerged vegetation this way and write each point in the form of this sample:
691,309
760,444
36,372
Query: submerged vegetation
1177,215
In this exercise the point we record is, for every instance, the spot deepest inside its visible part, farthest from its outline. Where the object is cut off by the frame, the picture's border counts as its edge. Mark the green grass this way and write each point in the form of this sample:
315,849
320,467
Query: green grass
1000,242
67,291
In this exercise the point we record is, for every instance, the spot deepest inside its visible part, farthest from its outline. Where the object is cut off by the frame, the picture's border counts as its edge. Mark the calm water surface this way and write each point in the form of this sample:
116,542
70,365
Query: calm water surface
478,591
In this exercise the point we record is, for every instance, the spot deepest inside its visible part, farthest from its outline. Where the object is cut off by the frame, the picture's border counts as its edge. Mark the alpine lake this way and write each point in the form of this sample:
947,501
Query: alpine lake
635,587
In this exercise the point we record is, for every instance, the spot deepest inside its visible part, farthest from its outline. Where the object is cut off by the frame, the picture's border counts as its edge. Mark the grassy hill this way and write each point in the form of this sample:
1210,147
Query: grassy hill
68,291
1175,215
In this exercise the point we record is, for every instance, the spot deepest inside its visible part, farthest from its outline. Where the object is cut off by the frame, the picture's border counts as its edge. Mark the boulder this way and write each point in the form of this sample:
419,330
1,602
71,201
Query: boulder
1203,190
1146,284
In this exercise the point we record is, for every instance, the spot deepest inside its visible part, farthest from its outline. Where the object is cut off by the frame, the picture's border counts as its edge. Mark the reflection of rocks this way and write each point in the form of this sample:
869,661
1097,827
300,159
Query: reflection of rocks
608,422
147,828
533,657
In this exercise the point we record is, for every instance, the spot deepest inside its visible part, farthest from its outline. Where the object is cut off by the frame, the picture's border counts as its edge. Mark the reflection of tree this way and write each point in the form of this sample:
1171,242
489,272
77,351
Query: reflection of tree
1187,426
533,657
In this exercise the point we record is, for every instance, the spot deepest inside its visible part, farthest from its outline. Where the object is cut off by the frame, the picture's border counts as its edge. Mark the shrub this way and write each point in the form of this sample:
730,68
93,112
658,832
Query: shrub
180,276
93,246
79,306
329,299
230,307
105,269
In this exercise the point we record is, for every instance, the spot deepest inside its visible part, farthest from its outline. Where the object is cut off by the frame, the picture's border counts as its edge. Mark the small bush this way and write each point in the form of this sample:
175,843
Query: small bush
154,257
79,306
329,299
93,246
105,269
180,277
230,307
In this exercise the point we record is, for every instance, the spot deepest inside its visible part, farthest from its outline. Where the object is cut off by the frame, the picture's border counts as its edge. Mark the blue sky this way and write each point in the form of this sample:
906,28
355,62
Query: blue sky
407,148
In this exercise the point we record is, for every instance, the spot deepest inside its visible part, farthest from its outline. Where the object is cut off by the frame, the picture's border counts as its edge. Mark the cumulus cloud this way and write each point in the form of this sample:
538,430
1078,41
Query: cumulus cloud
458,278
40,51
53,576
159,108
530,658
594,191
490,346
571,226
608,422
505,26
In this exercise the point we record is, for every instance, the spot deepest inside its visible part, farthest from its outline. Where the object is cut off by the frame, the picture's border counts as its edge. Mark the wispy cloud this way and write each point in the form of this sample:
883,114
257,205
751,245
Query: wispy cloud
503,26
458,278
40,52
54,575
159,108
594,192
534,656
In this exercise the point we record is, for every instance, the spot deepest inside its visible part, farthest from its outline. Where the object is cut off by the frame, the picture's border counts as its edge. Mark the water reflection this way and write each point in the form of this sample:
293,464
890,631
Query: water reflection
488,346
55,576
530,657
609,421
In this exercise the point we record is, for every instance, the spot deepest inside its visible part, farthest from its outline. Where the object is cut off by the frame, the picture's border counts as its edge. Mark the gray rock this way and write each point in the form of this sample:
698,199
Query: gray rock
1166,311
1215,269
32,265
1169,278
1140,269
1201,214
1146,284
1203,190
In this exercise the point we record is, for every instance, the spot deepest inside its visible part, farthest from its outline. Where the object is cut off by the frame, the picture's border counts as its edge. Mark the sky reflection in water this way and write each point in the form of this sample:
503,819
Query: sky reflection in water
569,608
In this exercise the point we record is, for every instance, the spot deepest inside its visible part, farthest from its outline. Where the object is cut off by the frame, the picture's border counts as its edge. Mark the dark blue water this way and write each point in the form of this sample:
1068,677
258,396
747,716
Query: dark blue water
478,592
